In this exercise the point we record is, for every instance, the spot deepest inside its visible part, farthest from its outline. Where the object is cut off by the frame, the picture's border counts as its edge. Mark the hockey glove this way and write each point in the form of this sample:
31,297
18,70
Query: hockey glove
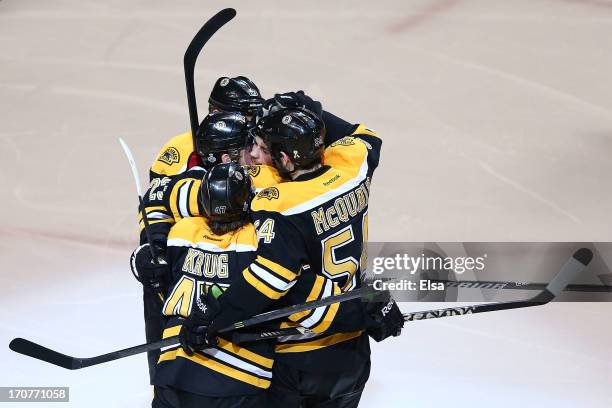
196,332
294,100
153,276
384,319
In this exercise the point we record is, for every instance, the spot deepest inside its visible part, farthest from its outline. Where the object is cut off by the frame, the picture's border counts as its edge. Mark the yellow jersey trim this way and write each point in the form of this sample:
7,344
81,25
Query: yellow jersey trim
215,366
318,343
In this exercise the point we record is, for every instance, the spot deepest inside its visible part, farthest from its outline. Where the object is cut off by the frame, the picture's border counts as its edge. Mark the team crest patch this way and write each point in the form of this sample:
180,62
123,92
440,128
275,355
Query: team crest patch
271,193
252,171
170,156
345,141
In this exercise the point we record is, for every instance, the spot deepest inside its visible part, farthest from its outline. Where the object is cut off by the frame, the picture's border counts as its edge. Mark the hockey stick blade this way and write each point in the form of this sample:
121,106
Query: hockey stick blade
191,55
39,352
130,157
575,265
145,220
31,349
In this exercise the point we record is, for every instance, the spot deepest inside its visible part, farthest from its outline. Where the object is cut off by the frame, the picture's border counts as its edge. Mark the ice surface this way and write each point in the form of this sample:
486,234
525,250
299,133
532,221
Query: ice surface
497,120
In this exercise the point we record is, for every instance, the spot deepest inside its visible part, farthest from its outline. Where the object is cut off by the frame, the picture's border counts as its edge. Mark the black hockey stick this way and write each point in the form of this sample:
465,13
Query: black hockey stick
191,55
575,265
499,285
39,352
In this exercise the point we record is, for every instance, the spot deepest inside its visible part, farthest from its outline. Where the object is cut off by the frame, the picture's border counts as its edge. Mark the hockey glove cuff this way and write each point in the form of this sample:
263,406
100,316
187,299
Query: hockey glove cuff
384,320
153,276
196,333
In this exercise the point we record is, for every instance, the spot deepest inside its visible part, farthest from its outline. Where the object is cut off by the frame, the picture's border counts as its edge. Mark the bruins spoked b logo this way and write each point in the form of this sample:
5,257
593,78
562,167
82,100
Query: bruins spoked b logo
271,193
170,156
252,171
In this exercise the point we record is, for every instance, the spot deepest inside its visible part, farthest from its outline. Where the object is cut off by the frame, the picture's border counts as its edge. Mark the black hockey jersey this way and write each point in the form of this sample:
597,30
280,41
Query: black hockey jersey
309,229
198,259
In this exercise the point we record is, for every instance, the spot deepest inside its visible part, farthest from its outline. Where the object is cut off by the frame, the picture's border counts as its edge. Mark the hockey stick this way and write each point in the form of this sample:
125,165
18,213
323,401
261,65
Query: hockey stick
130,157
576,264
191,55
145,220
499,285
568,272
39,352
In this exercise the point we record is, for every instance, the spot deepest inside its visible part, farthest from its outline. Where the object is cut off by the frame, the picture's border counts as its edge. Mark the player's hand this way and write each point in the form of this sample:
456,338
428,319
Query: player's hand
293,100
198,331
153,276
384,319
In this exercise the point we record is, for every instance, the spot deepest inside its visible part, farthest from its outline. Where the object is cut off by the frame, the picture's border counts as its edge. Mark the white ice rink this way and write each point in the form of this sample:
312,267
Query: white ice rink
497,121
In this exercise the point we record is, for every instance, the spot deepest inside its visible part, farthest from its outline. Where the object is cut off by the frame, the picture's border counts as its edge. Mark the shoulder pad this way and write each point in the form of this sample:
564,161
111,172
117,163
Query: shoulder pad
186,228
364,131
263,176
172,158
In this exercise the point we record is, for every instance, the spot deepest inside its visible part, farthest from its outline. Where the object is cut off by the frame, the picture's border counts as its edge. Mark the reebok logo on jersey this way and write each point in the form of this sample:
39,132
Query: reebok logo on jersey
170,156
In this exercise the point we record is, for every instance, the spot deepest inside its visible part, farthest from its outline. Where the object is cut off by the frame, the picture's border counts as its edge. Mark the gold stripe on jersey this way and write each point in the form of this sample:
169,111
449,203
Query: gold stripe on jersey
269,278
206,358
194,191
363,130
171,331
318,320
328,316
315,292
216,366
246,354
156,212
317,343
276,268
260,286
184,198
151,222
172,158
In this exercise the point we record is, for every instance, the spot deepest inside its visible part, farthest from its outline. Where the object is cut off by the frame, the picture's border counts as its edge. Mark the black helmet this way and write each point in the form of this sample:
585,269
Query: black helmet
225,192
220,133
237,94
298,132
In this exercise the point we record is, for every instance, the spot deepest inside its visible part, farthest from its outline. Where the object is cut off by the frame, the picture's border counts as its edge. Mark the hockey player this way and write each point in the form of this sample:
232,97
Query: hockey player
220,138
314,225
238,94
203,256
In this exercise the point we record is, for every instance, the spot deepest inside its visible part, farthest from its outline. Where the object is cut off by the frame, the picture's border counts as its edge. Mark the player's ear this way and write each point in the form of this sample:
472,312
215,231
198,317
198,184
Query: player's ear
287,163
